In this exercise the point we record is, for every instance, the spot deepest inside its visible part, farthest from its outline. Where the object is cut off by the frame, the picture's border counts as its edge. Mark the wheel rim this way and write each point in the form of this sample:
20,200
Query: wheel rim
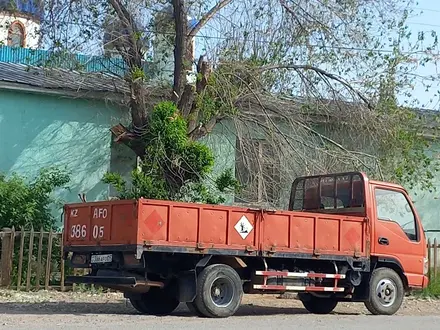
222,292
386,292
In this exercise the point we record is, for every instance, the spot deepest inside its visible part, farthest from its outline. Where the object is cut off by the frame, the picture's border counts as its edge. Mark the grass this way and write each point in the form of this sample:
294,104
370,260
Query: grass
433,289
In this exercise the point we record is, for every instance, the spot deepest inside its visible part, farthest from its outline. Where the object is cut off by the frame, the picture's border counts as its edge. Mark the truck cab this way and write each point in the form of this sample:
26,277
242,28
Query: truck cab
396,238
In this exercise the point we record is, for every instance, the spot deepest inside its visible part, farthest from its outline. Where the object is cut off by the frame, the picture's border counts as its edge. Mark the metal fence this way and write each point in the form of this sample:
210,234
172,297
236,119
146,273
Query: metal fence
63,60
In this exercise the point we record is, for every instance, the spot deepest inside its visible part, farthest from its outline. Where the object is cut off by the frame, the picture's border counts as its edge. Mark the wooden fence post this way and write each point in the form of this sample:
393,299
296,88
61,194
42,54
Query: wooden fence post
29,266
62,261
39,259
6,265
20,261
435,257
48,260
429,259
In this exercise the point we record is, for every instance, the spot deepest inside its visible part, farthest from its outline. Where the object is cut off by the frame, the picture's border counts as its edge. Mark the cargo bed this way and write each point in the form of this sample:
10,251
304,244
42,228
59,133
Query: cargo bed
163,226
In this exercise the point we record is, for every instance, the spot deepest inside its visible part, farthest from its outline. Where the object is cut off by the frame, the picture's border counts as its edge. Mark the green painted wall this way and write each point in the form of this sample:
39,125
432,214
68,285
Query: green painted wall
38,131
428,202
222,143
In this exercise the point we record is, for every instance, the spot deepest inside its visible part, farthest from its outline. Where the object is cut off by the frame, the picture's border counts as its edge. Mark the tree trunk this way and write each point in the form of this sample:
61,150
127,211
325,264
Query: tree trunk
181,28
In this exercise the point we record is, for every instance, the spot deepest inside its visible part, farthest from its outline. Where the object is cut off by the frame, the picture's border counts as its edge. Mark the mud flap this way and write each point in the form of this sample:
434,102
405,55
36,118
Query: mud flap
187,286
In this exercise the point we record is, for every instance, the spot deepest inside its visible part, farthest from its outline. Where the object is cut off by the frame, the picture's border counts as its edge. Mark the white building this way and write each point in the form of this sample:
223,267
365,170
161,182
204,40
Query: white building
20,23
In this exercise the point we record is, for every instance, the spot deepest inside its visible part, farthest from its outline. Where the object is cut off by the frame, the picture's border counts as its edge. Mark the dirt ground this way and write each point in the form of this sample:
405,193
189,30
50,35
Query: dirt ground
53,310
52,302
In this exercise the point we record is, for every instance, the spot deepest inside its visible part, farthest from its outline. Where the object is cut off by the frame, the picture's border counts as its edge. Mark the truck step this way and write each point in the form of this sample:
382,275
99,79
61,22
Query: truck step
301,275
297,288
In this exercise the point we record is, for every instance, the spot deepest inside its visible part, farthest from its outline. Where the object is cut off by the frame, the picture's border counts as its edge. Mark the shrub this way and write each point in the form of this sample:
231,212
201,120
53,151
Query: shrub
24,204
174,167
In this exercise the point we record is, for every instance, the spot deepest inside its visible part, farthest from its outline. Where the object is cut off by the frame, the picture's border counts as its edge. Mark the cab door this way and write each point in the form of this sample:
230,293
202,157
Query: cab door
397,233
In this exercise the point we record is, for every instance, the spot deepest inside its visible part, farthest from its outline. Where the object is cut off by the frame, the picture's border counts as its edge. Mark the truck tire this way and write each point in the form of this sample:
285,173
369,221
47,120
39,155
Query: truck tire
193,309
317,305
155,302
219,291
386,292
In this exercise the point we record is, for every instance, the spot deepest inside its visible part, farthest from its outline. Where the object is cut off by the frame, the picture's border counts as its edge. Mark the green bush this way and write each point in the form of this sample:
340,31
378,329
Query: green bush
26,204
174,167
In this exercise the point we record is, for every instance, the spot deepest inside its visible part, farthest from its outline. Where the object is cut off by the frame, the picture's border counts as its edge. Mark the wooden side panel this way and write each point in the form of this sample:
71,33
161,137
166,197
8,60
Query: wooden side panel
183,224
327,235
300,232
213,227
353,235
197,226
276,231
124,224
153,223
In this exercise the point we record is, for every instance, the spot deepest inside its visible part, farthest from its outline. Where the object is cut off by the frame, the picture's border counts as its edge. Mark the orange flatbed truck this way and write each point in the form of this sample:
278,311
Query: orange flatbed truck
344,238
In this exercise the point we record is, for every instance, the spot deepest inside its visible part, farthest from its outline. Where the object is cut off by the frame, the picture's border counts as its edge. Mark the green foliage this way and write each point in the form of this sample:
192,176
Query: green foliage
216,99
433,289
174,167
226,181
137,73
28,204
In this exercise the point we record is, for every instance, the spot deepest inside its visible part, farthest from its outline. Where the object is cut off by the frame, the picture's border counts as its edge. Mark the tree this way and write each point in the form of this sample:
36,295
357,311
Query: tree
304,74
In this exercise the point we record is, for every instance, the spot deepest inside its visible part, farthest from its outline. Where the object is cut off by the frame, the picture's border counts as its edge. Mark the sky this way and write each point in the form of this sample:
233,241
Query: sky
427,19
424,18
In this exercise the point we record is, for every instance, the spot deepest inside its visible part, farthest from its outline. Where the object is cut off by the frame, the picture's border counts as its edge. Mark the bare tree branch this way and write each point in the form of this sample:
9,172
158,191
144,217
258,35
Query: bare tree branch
210,14
320,72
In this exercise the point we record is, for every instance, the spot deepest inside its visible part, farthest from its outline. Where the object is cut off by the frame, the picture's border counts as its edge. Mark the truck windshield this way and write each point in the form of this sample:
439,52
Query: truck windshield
338,193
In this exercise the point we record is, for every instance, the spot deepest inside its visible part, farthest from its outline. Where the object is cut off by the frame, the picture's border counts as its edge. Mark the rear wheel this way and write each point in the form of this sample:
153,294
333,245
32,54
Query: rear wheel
386,292
317,305
156,301
219,291
193,309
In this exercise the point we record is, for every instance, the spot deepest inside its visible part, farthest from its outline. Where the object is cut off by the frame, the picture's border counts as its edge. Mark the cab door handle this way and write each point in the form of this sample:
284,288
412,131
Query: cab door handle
384,241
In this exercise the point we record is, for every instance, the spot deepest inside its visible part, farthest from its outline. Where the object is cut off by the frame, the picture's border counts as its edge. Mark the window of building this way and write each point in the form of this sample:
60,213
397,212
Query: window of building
16,35
393,206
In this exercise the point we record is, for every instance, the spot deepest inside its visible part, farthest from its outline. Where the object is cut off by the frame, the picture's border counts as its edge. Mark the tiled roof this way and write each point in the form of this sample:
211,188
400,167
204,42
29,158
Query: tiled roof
61,79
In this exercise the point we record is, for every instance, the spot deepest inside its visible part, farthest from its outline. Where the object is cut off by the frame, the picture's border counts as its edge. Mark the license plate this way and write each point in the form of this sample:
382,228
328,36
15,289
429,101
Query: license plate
101,258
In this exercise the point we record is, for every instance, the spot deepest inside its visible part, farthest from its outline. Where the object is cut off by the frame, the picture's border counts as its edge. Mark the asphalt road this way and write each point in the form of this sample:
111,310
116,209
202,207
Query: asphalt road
119,316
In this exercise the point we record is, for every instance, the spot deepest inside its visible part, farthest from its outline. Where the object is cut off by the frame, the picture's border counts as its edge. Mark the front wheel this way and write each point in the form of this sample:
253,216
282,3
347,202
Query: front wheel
317,305
156,302
219,291
386,292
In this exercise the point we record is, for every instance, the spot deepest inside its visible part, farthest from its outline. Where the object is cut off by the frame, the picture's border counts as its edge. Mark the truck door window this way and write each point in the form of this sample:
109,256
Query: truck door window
393,206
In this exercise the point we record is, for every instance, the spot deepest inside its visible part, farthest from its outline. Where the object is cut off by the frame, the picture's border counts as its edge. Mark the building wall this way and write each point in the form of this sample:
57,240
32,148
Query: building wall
32,29
222,143
39,131
427,202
